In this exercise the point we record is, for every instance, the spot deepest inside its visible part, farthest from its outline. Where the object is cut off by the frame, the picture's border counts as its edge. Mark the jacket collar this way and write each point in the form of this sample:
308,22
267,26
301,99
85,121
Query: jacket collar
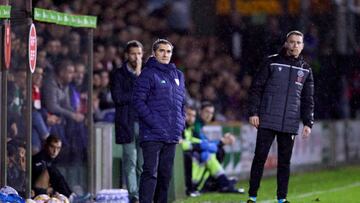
152,62
291,58
124,67
299,59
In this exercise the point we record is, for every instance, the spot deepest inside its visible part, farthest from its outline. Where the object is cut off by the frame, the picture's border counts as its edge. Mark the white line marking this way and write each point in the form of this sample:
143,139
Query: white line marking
317,192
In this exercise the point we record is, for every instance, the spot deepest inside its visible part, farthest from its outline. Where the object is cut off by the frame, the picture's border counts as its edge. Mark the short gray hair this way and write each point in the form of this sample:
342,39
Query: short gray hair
156,44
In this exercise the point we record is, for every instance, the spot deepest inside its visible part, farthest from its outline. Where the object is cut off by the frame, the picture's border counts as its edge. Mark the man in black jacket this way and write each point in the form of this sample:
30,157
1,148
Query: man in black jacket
46,177
281,95
126,120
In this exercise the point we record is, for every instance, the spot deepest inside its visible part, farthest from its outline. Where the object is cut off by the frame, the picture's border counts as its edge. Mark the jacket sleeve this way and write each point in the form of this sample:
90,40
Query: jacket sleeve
142,89
307,101
257,88
118,94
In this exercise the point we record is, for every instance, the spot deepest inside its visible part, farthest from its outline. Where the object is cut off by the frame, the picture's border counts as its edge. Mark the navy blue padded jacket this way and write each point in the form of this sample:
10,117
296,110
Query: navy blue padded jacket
159,98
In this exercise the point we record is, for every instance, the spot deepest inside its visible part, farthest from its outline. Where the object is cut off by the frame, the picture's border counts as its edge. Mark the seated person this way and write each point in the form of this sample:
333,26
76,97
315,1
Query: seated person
46,178
16,165
200,160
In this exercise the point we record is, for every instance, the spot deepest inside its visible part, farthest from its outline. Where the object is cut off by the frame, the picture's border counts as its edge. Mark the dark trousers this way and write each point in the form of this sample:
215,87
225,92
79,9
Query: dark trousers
58,182
157,171
265,138
188,171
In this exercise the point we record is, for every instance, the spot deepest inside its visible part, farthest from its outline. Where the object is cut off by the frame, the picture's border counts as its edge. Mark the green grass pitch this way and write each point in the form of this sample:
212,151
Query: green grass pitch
327,186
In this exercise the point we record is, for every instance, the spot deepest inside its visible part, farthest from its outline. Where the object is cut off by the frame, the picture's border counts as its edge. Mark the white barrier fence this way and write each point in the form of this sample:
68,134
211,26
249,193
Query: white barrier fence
330,143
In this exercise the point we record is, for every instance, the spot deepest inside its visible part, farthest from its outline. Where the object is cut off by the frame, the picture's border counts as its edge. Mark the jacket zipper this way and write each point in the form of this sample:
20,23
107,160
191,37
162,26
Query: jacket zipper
172,119
287,95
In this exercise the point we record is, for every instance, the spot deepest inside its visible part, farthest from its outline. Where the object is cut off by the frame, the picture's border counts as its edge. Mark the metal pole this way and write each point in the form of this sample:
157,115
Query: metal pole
28,113
341,28
91,147
3,119
28,131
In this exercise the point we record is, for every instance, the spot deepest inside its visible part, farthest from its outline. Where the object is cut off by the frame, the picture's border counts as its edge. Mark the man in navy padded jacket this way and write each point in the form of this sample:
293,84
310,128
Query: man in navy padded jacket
159,98
280,96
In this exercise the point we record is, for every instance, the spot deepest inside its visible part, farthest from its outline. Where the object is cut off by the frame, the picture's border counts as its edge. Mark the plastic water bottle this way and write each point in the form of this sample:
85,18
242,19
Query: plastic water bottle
100,198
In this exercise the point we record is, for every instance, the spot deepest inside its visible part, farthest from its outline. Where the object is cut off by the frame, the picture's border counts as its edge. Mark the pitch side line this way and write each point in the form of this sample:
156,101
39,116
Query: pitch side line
318,192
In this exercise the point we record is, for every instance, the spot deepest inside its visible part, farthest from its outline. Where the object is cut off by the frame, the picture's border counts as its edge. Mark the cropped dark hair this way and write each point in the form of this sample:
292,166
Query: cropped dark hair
205,104
61,65
157,43
191,107
51,139
132,44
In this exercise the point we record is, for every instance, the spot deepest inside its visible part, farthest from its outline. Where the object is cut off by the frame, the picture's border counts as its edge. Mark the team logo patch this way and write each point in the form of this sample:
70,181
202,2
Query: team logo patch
280,68
300,73
300,77
177,81
162,81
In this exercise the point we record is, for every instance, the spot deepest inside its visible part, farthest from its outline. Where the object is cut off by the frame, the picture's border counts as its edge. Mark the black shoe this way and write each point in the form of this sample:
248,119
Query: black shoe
250,201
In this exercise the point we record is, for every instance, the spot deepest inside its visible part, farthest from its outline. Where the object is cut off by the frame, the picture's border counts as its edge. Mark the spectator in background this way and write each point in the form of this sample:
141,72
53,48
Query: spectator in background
16,90
46,177
97,80
53,49
126,119
203,171
159,98
280,95
57,98
43,62
111,60
106,101
77,88
74,42
188,144
16,165
41,119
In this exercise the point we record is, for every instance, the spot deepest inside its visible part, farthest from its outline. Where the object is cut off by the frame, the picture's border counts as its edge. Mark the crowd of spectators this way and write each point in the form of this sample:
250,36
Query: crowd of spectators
218,67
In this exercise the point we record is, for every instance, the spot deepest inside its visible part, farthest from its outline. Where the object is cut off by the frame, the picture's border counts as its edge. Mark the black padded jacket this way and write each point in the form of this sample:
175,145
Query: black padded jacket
282,94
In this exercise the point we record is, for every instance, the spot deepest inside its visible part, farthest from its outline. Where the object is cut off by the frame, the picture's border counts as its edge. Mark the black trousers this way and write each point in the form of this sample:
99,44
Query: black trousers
265,138
157,171
188,171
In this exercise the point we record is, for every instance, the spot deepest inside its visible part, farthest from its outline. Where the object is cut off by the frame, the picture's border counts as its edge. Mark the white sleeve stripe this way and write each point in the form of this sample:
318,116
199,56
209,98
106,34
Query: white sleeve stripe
288,66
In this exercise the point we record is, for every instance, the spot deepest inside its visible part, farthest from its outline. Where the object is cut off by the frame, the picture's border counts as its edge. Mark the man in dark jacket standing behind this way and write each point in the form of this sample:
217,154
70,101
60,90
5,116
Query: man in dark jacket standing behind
281,95
159,98
126,119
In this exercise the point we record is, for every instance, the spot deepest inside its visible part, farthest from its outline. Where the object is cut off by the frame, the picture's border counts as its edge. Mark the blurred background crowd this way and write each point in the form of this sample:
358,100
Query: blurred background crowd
219,62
